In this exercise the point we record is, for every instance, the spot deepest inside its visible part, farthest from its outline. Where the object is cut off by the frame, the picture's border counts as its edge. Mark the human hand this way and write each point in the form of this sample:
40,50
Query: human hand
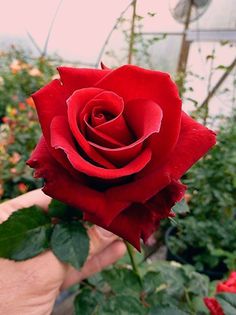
31,287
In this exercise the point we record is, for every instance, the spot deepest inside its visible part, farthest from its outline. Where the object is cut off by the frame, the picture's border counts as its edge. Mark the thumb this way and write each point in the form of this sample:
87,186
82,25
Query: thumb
99,239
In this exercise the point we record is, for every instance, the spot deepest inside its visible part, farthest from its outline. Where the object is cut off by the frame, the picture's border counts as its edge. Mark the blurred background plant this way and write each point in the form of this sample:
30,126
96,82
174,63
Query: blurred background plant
21,75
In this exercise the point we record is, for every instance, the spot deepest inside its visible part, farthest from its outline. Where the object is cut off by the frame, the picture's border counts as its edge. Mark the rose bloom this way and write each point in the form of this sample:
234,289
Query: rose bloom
229,286
115,144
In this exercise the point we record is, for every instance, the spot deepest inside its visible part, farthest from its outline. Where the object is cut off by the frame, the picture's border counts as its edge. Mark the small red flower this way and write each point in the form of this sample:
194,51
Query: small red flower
22,106
213,306
22,187
229,286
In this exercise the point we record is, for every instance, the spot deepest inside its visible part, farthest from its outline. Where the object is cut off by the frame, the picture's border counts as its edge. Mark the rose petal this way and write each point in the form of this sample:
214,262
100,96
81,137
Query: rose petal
50,101
194,141
116,127
100,138
213,306
78,78
153,85
79,104
61,185
143,118
140,221
61,138
76,104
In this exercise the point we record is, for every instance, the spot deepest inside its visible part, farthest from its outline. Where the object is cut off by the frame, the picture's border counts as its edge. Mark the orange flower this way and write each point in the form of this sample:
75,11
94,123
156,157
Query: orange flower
15,158
5,120
22,106
22,187
29,101
16,66
187,197
13,111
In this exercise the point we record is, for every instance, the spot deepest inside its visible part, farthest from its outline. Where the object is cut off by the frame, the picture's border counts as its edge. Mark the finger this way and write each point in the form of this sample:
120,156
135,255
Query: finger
95,264
99,239
35,197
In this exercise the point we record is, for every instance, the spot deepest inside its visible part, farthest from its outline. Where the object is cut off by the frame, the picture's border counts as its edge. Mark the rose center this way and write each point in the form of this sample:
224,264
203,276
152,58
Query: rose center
100,116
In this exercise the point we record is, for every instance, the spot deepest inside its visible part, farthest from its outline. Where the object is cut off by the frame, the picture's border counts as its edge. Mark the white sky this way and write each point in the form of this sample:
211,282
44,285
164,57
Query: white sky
81,26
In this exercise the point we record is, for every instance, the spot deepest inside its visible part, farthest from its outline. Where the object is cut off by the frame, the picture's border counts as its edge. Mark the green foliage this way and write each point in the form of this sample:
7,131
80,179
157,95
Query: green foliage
70,243
206,237
25,234
166,311
166,288
227,302
20,76
181,207
30,231
58,209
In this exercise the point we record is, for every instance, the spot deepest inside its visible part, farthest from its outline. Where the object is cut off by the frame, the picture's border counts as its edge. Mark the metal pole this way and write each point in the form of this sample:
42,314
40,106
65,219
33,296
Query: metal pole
185,45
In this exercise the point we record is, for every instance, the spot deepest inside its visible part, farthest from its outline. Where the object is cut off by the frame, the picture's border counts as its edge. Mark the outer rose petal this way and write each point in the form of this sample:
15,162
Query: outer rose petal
213,306
50,101
61,185
194,141
132,82
79,78
140,221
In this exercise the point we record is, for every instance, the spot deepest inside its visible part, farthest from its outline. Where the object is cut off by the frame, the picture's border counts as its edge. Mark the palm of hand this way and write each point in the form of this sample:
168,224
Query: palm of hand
31,287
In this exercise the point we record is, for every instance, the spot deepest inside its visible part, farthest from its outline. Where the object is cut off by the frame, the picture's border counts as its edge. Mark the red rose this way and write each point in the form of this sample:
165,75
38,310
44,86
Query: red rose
229,286
214,306
115,144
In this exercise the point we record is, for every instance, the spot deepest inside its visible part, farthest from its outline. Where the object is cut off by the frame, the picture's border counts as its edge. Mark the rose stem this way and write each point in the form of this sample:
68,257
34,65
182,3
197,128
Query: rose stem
130,251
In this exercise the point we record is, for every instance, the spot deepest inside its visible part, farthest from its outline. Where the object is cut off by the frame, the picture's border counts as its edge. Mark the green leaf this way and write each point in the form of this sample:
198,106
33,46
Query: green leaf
25,234
122,280
153,281
160,310
123,305
87,302
227,302
70,243
58,209
93,302
181,207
